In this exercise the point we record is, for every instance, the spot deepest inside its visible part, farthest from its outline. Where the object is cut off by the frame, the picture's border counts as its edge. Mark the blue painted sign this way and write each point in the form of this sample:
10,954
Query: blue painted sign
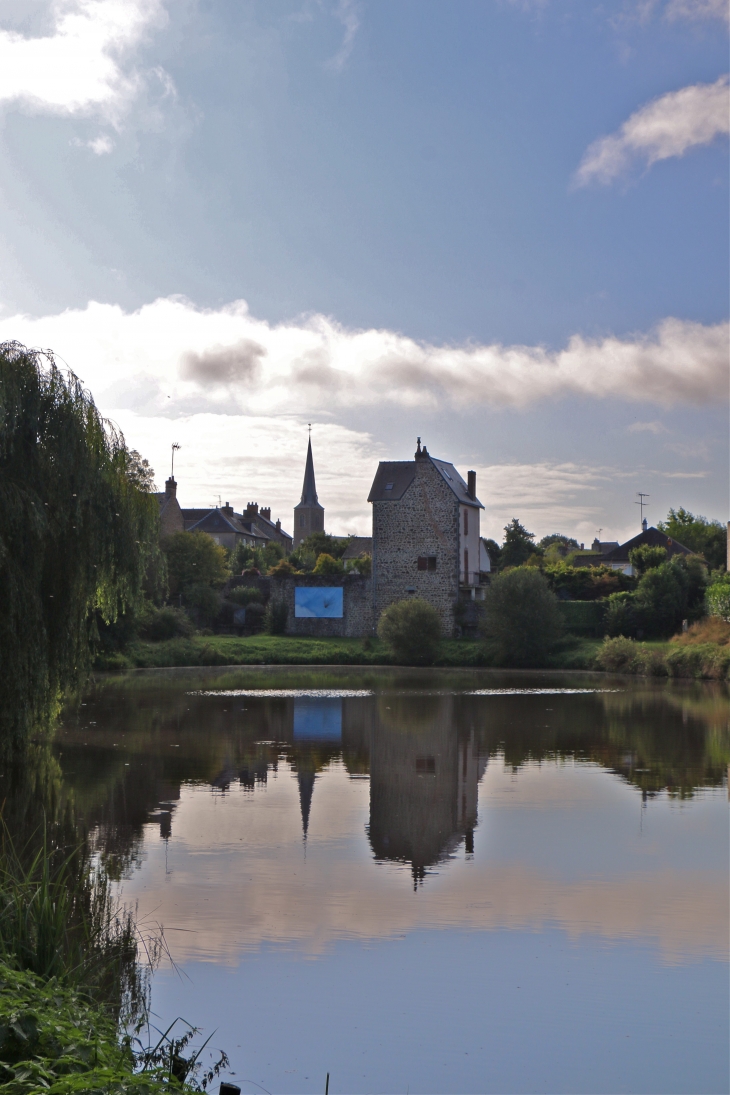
318,720
318,602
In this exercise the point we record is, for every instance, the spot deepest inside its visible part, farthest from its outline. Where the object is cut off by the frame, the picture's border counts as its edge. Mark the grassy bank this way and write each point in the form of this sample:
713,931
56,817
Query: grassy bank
670,659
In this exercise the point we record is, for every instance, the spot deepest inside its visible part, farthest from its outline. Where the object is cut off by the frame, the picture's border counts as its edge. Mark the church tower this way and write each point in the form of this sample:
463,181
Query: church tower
308,515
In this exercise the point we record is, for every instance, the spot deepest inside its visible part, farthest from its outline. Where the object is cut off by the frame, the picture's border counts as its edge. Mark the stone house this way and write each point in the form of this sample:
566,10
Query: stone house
254,528
426,540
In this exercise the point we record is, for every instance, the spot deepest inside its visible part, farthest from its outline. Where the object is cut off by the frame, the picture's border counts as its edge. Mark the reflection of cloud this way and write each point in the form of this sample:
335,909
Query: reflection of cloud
270,898
666,127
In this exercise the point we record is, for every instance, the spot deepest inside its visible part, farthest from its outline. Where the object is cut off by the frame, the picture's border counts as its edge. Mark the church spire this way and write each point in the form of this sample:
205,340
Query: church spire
306,787
309,489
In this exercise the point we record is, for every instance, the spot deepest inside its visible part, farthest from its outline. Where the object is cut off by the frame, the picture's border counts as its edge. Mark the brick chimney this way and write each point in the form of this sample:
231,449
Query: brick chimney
266,512
170,488
227,509
252,509
471,479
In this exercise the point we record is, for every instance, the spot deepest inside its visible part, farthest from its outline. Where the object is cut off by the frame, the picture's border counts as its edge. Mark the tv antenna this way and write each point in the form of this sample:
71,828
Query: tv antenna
175,448
642,503
598,534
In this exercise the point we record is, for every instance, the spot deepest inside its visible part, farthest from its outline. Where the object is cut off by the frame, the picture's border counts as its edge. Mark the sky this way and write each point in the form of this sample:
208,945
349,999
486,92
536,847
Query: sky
498,225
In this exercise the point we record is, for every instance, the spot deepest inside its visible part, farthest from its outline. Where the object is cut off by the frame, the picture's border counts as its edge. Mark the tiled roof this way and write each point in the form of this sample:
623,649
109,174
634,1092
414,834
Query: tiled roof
394,477
358,545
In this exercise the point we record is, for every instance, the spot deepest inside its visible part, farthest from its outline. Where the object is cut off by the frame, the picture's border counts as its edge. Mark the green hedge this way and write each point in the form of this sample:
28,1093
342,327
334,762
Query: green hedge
584,617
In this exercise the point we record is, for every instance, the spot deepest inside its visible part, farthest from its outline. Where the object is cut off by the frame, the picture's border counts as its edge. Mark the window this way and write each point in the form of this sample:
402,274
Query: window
466,522
426,562
426,766
388,486
302,520
466,565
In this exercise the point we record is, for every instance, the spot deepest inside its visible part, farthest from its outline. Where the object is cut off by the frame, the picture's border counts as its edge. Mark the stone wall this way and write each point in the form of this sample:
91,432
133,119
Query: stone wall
424,522
357,598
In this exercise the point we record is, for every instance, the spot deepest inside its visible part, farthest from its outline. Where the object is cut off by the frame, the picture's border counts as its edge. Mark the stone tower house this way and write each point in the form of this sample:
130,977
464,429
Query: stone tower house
425,534
308,515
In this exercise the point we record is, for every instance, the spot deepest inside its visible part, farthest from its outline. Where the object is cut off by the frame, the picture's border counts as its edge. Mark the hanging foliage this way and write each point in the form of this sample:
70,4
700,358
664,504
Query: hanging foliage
78,531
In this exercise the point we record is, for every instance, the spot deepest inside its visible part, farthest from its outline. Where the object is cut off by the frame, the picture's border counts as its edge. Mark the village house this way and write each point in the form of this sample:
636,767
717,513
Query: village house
616,556
426,540
253,528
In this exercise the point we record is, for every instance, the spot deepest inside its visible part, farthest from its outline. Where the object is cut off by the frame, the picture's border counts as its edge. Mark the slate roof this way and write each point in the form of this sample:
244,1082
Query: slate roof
651,536
358,545
394,477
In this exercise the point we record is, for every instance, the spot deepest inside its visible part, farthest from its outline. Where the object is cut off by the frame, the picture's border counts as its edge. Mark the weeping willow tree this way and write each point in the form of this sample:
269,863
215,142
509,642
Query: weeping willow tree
78,531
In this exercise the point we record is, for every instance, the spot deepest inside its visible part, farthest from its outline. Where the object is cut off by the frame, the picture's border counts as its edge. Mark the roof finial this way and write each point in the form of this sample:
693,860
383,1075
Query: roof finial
309,427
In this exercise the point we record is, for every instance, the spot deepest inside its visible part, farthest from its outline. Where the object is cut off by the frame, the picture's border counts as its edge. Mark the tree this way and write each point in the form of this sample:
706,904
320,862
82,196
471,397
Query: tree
706,537
718,597
665,596
412,630
494,552
321,542
521,622
518,545
77,534
645,557
193,559
558,545
327,565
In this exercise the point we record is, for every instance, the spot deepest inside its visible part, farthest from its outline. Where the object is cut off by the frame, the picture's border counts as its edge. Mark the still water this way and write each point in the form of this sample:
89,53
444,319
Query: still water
427,882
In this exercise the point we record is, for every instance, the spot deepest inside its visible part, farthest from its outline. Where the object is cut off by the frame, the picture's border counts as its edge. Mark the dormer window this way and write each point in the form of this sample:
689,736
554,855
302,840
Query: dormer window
388,486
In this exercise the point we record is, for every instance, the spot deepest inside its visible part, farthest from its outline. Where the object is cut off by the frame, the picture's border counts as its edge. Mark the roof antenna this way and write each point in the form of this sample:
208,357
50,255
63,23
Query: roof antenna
175,448
642,503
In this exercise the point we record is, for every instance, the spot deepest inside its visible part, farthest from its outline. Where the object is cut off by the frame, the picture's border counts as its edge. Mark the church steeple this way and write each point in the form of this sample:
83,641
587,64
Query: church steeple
308,515
309,488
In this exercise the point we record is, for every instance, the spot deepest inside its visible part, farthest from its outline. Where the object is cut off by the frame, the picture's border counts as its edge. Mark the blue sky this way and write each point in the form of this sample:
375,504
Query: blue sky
524,204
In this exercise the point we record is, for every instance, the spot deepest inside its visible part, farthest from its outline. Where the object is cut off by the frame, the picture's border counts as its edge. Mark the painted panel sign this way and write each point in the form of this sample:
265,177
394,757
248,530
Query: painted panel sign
318,602
318,720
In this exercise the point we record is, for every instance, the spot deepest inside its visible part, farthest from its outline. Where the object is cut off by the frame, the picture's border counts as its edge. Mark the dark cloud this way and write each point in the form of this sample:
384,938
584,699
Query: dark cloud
237,364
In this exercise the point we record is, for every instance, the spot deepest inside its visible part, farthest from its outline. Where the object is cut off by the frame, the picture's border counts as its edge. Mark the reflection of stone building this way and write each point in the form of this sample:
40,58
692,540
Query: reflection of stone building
423,782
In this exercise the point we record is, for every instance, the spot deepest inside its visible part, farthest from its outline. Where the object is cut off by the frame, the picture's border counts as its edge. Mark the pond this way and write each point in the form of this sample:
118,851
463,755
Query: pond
423,881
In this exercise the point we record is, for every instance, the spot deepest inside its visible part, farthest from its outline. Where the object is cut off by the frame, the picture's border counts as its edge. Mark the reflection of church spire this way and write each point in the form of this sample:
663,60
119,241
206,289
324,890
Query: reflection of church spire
306,787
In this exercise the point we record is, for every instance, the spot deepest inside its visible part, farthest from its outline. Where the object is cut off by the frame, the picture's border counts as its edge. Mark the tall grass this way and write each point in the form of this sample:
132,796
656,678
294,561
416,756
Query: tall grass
59,919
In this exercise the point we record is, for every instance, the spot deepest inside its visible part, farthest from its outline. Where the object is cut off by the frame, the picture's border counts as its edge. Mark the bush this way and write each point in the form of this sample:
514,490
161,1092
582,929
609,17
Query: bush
645,557
412,630
362,565
160,624
277,614
718,598
521,622
623,615
712,629
204,604
329,566
618,655
255,616
283,569
245,595
583,617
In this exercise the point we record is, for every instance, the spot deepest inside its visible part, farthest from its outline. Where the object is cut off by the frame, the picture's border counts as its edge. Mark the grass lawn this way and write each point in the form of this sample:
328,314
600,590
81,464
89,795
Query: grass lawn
285,650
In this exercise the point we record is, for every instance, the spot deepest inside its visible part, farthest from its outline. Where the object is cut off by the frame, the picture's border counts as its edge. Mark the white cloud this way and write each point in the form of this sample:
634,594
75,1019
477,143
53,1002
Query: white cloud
647,427
697,9
83,65
667,126
170,358
236,392
347,12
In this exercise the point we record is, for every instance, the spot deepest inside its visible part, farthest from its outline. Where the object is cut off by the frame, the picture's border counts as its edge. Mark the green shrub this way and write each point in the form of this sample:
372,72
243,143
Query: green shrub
623,615
617,655
112,662
194,558
327,565
362,565
245,595
718,597
160,624
412,630
521,623
204,603
283,569
583,617
645,557
276,617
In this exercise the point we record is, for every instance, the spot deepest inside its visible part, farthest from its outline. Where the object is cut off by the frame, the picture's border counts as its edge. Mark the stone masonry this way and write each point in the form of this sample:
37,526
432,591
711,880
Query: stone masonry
357,618
424,522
